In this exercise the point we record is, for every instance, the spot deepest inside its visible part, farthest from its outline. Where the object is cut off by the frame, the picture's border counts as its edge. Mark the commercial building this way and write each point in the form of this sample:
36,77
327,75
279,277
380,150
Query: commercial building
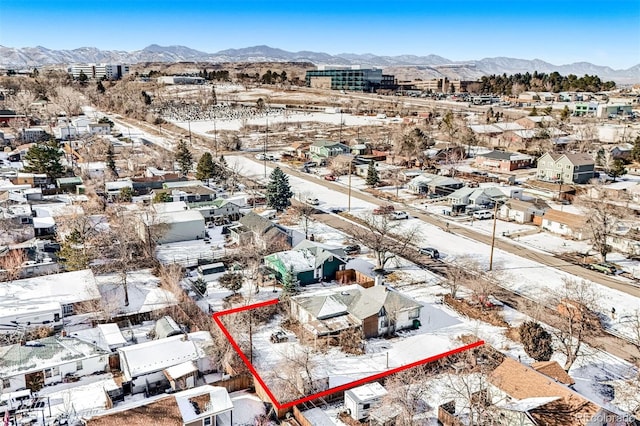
99,71
349,78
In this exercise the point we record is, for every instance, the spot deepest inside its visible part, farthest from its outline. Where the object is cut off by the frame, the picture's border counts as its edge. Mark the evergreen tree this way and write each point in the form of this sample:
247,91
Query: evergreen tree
223,161
45,158
204,169
184,158
111,163
565,113
232,281
635,152
100,87
82,78
73,252
617,169
536,340
534,112
278,190
372,175
126,194
289,281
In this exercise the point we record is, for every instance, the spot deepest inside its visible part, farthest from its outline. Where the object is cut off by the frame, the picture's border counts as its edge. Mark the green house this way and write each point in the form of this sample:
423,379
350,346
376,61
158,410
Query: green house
320,151
69,184
310,262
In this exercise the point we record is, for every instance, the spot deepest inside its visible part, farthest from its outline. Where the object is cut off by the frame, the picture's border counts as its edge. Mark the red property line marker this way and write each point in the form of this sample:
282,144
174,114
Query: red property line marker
216,317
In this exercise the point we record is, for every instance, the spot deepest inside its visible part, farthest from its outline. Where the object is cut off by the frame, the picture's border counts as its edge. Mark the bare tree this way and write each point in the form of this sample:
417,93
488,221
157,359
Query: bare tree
577,303
385,237
407,392
460,273
11,265
603,217
294,376
304,213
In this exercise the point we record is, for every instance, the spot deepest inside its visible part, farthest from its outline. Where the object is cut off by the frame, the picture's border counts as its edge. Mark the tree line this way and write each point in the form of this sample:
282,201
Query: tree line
517,83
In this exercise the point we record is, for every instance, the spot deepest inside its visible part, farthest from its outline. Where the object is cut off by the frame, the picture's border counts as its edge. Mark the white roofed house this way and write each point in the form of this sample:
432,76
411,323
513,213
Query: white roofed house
503,161
172,222
362,399
148,367
72,290
47,361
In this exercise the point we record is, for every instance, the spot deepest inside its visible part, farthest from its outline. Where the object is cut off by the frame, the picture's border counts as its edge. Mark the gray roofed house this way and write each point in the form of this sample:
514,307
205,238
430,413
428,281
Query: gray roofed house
260,230
476,196
377,310
428,183
566,168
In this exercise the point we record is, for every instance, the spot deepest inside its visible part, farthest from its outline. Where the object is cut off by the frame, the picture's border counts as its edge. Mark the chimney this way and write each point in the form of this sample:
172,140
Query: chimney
378,279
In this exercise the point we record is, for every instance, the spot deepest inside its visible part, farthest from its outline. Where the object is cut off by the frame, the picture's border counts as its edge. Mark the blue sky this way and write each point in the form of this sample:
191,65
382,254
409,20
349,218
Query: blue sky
557,31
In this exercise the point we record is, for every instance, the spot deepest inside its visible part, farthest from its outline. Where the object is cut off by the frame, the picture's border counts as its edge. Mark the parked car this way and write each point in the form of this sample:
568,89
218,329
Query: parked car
605,268
260,157
399,215
430,251
352,249
331,178
310,164
313,201
384,209
483,214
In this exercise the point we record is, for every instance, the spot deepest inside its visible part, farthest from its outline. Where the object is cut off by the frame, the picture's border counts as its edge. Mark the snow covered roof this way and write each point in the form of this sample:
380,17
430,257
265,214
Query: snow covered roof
174,206
366,392
45,353
112,334
528,404
202,401
65,288
181,370
156,355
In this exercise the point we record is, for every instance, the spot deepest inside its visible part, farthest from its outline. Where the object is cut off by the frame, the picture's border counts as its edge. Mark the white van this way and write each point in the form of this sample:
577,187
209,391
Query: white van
483,214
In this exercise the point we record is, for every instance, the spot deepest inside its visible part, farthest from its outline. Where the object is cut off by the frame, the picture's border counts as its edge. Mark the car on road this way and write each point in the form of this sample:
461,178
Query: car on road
483,214
310,164
384,209
313,201
352,249
399,215
604,267
280,336
430,251
331,178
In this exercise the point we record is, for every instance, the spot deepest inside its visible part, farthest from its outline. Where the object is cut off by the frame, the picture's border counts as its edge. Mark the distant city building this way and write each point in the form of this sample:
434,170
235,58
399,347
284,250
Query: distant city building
99,71
179,79
349,78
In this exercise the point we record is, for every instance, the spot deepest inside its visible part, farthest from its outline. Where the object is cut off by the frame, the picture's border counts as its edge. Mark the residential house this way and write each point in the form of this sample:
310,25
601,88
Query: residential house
427,183
69,184
106,336
218,209
47,361
536,121
529,397
187,193
522,211
114,188
259,230
566,168
309,262
503,161
39,180
621,151
553,370
99,128
72,290
323,150
466,196
298,149
384,169
172,222
376,310
564,223
201,406
93,169
143,365
34,134
625,240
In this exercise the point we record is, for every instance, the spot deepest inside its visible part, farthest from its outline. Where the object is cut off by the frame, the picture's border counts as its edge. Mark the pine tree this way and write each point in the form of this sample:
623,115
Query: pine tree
111,163
100,87
73,252
204,169
534,112
184,158
45,158
289,281
372,175
278,190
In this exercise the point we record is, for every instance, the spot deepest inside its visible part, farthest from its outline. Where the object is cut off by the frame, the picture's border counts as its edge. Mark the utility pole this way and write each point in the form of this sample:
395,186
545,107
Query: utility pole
349,192
264,154
493,235
190,144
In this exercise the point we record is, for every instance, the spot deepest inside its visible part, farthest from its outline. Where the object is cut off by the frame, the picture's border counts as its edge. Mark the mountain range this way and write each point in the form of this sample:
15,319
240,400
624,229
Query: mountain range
426,66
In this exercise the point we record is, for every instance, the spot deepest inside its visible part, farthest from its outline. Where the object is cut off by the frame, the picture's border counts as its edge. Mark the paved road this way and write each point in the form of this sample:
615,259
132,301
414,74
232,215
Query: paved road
602,340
